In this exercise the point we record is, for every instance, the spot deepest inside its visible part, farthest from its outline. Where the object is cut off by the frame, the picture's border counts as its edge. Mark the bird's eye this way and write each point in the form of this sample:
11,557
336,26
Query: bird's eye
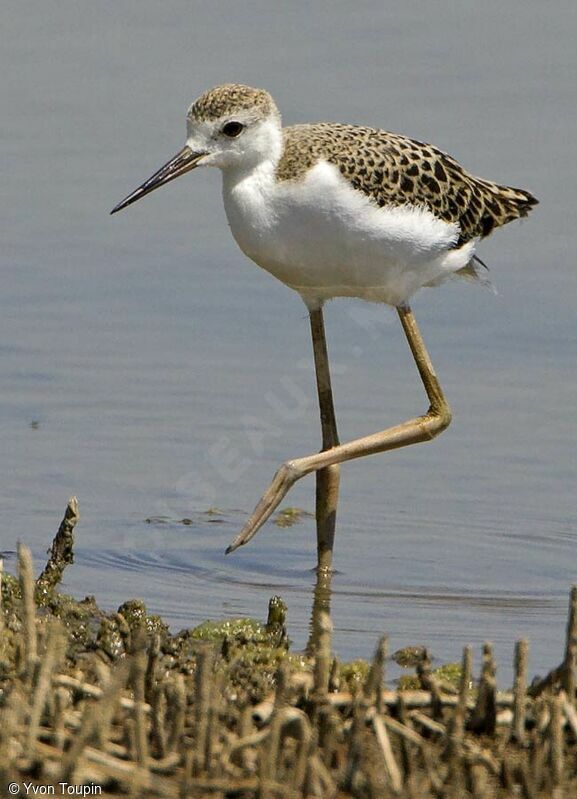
233,129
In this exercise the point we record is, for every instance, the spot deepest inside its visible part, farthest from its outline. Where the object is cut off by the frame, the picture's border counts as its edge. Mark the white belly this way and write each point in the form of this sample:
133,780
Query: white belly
324,239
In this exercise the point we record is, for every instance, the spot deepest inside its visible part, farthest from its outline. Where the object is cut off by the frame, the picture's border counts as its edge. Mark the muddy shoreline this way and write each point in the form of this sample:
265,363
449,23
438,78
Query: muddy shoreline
117,702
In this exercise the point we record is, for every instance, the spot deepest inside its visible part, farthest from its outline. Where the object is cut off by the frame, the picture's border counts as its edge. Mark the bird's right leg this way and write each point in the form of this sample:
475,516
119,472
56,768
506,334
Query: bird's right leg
421,428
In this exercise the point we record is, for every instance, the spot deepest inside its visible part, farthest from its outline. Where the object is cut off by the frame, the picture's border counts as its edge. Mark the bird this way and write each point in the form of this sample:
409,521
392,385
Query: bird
341,210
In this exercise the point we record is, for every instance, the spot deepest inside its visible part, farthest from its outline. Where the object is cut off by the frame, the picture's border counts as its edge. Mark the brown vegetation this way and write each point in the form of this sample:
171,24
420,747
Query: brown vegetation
116,701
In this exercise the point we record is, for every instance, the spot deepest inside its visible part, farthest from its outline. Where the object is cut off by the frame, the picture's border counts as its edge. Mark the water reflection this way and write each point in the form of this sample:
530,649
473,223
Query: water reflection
321,606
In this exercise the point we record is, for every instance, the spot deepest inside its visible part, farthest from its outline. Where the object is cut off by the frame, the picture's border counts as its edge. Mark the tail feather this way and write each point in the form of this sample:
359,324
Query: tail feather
518,201
506,203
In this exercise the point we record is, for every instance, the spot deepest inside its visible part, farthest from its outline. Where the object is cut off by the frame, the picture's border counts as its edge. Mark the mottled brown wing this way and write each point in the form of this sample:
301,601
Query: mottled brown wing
394,170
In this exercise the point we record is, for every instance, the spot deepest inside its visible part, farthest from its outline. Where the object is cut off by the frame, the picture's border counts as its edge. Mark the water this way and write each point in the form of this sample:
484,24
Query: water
150,369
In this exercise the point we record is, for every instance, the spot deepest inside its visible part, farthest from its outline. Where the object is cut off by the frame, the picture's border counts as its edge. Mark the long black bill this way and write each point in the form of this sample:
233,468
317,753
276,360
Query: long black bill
185,160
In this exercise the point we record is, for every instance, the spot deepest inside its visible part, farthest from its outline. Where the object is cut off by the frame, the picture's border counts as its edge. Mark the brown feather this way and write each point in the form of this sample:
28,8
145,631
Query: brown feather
394,170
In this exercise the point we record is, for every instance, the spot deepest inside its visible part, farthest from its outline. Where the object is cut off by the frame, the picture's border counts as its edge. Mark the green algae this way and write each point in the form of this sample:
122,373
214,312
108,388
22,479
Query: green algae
214,631
137,617
287,517
353,675
449,674
409,656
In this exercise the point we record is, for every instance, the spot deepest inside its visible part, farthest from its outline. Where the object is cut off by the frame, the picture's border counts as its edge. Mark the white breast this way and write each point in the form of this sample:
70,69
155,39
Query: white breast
325,239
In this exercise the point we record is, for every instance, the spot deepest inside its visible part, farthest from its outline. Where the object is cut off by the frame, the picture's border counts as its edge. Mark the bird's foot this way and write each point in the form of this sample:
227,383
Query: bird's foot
284,479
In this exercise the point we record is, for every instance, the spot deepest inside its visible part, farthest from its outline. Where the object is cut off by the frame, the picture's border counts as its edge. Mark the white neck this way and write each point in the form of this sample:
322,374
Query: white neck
249,188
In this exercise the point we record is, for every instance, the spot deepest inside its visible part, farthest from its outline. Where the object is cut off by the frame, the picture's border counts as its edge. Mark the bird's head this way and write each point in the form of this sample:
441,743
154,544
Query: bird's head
230,127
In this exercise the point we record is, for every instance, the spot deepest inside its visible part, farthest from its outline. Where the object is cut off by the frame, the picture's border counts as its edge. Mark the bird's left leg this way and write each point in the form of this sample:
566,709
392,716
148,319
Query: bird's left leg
327,491
413,431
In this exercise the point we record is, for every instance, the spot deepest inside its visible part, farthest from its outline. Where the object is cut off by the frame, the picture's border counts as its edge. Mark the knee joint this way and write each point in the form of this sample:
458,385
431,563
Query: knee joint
439,419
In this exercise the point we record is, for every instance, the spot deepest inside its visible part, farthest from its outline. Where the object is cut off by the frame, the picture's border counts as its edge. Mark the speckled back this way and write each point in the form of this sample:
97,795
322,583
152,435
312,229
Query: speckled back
395,170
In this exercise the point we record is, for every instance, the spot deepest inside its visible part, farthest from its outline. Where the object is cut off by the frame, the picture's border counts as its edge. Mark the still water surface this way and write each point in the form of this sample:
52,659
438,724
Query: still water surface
150,369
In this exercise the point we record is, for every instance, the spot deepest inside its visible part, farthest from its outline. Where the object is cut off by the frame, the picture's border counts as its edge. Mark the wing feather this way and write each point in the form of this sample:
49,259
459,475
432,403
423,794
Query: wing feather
393,170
